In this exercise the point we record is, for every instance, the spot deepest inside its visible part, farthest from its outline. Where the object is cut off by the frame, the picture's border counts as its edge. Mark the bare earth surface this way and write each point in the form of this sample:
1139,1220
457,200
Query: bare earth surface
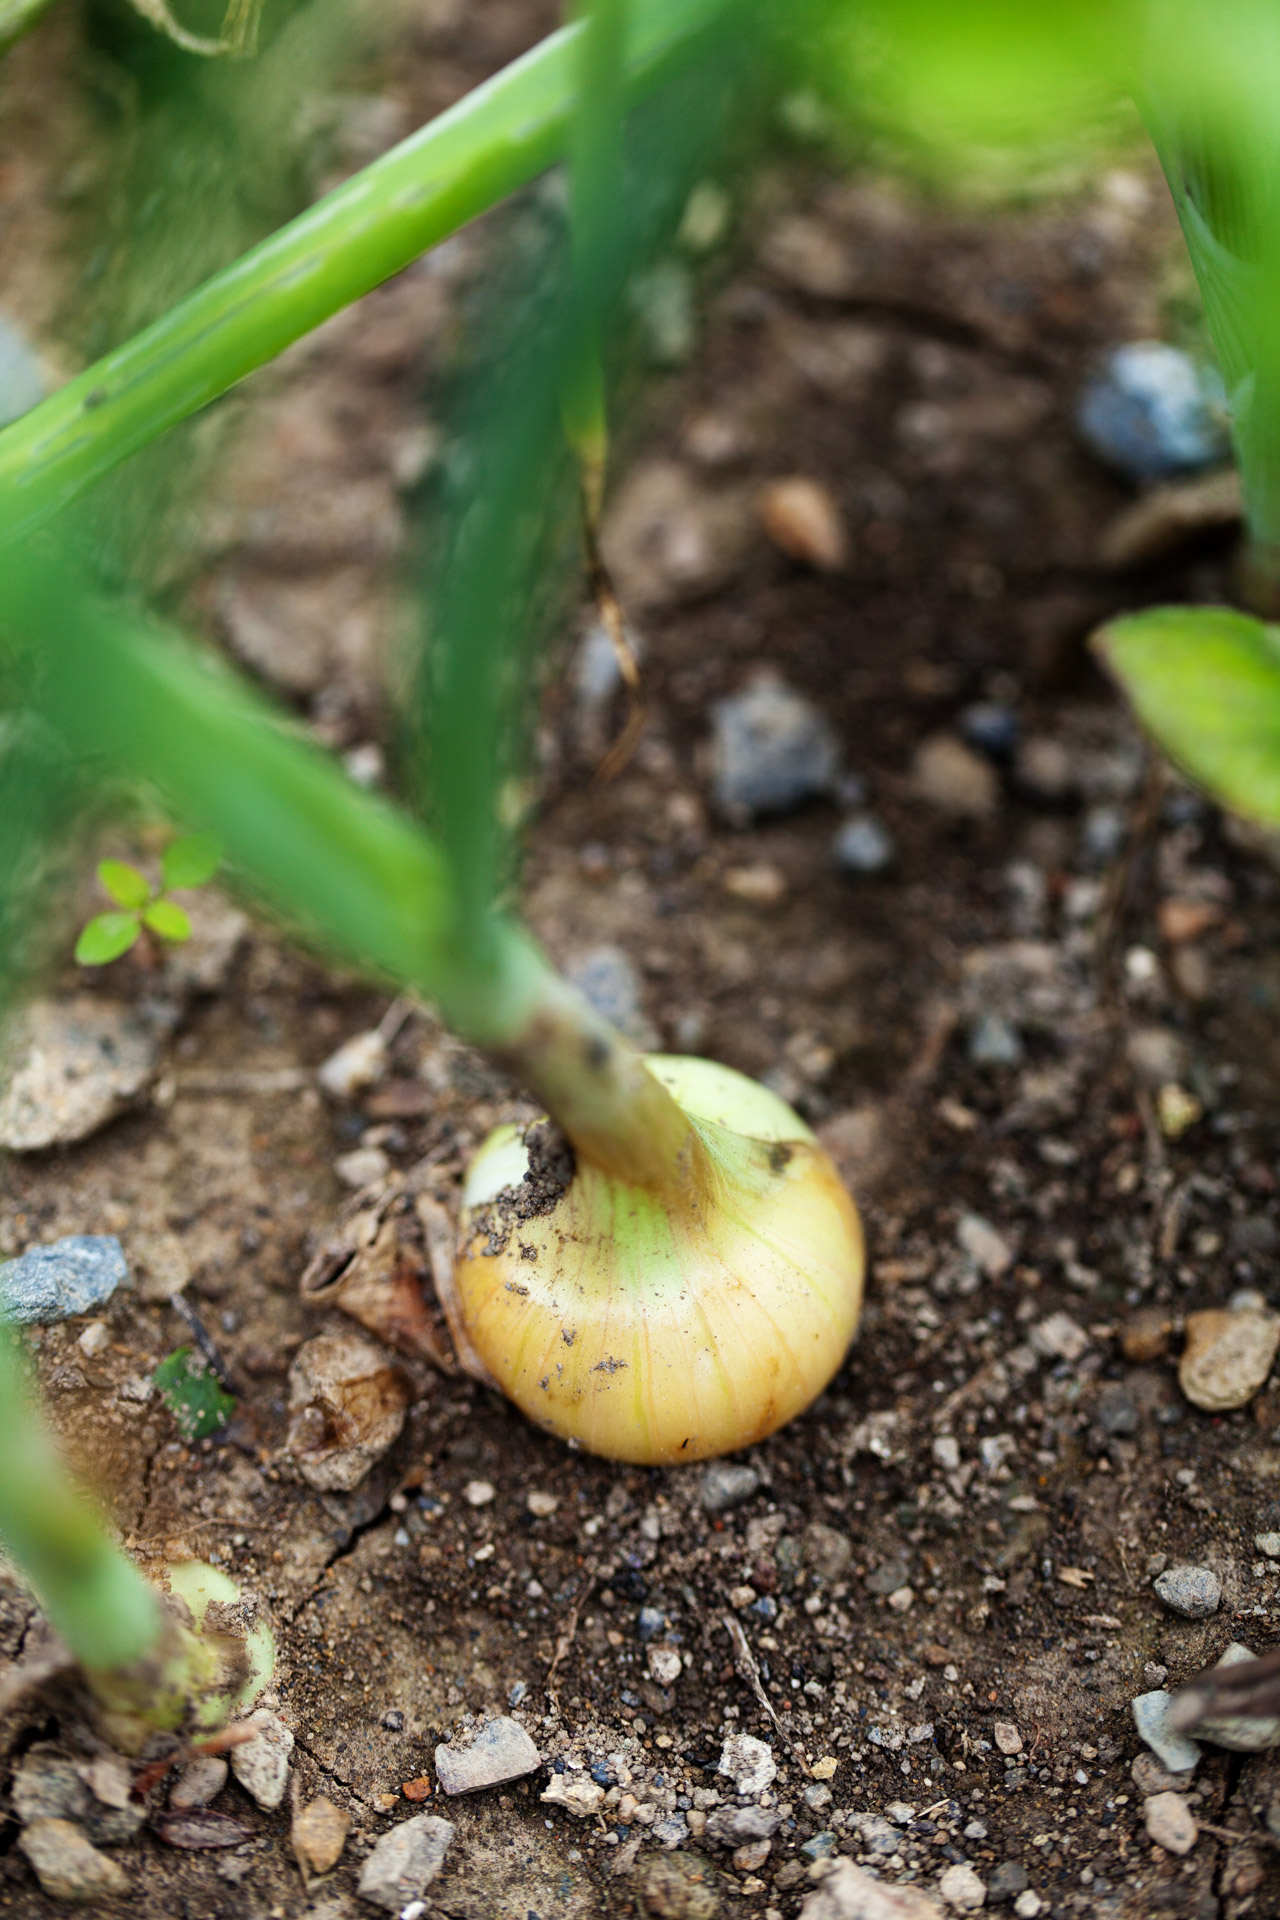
940,1578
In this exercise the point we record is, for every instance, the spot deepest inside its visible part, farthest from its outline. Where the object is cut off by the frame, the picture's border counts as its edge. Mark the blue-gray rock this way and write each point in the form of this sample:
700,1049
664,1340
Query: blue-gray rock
67,1277
1194,1592
650,1622
990,727
607,978
1171,1748
1103,833
1006,1883
405,1861
864,845
500,1751
1153,413
725,1485
995,1042
772,750
22,385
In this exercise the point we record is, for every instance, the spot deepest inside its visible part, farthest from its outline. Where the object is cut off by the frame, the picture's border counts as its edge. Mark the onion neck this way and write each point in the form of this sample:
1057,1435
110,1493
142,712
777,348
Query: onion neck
594,1084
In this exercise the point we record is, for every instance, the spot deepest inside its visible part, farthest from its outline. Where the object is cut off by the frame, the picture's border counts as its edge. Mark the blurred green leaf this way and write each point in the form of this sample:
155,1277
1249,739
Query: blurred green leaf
106,937
166,918
193,1395
127,887
1205,682
191,861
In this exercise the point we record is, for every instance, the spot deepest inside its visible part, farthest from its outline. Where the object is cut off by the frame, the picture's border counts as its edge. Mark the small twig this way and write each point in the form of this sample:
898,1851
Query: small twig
745,1662
568,1633
154,1772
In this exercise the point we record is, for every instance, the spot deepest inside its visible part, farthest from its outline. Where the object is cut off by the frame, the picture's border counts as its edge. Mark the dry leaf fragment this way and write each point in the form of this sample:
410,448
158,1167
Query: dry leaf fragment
199,1829
1079,1577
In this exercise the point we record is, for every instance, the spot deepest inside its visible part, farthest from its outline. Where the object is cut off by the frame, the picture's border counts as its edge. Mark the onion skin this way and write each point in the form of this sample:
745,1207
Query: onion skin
666,1326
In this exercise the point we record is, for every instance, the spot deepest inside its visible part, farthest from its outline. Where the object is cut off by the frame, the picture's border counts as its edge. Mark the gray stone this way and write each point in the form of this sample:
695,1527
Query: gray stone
961,1888
405,1862
73,1065
735,1826
1194,1592
200,1781
66,1277
22,384
1170,1822
1006,1883
749,1763
772,750
1117,1411
985,1245
607,977
575,1792
995,1042
725,1485
650,1622
863,844
501,1751
1151,1717
888,1577
1268,1543
261,1765
68,1865
1240,1732
50,1785
850,1893
1153,413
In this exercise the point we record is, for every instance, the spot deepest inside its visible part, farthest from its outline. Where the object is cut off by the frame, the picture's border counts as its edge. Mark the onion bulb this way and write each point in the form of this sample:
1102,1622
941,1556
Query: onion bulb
660,1321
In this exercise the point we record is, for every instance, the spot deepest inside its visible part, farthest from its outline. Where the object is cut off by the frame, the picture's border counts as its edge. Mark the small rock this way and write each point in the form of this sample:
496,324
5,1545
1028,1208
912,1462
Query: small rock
650,1622
358,1063
362,1167
1170,1822
1060,1338
575,1793
725,1485
800,516
1045,768
889,1577
1181,920
821,1847
405,1861
501,1751
772,750
1240,1732
1152,413
1028,1905
479,1493
347,1406
94,1340
66,1277
961,1888
22,384
954,779
735,1826
1007,1737
200,1781
261,1765
863,844
1194,1592
542,1505
665,1665
678,1886
1145,1335
49,1785
68,1865
1177,1111
849,1893
1268,1543
827,1551
608,979
985,1246
1117,1411
1006,1883
761,884
1171,1748
1150,1775
318,1835
995,1042
1227,1357
991,728
749,1763
73,1065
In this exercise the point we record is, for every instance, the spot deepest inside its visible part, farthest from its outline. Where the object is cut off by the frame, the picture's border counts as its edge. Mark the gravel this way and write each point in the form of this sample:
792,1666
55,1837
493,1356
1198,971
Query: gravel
962,1889
995,1042
575,1793
261,1765
501,1751
1153,413
848,1893
74,1065
200,1781
953,778
749,1763
68,1865
864,845
405,1861
772,750
1006,1883
1194,1592
1170,1822
1227,1357
735,1826
66,1277
725,1485
1172,1748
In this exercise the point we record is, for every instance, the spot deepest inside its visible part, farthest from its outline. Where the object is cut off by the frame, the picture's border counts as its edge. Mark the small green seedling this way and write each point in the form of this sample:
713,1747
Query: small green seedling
189,862
191,1391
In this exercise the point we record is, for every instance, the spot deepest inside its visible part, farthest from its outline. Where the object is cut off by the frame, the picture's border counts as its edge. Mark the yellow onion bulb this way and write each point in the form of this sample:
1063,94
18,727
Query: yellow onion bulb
663,1326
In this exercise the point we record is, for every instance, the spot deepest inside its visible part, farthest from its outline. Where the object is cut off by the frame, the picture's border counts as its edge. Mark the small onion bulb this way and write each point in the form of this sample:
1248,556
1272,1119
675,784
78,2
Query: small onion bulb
663,1326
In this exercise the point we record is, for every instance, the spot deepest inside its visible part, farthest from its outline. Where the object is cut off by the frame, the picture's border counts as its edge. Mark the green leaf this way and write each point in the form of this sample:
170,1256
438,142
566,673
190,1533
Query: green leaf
127,887
166,918
106,937
1205,682
192,1394
191,861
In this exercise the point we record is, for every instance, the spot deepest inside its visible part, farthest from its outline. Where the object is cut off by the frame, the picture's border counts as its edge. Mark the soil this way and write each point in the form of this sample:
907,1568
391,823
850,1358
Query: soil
962,1531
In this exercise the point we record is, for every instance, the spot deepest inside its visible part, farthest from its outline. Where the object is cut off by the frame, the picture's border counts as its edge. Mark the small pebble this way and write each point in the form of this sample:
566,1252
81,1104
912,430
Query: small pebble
801,518
501,1751
678,1886
864,845
725,1485
67,1864
991,728
95,1339
760,885
1117,1411
1170,1822
405,1862
576,1793
1193,1592
1153,413
734,1826
200,1781
1103,833
962,1889
1177,1110
772,750
953,778
1150,1775
1007,1737
752,1856
1144,1336
542,1505
665,1665
1268,1543
1060,1338
261,1765
319,1834
1028,1905
749,1763
73,1065
1006,1883
650,1622
995,1042
362,1167
1227,1357
479,1493
62,1279
848,1892
1171,1747
985,1245
357,1064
